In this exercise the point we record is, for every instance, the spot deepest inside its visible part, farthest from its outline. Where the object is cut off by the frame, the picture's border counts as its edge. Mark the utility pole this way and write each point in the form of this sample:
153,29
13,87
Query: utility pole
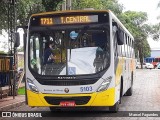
12,20
64,5
68,4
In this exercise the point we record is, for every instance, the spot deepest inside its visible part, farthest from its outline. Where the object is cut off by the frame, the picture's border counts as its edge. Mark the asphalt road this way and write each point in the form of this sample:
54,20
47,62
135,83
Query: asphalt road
145,101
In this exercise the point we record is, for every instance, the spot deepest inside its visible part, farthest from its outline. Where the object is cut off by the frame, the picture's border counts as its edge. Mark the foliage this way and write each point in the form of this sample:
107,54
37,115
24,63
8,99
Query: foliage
21,91
2,52
24,9
51,5
3,13
98,4
28,7
20,49
81,4
112,5
155,32
134,21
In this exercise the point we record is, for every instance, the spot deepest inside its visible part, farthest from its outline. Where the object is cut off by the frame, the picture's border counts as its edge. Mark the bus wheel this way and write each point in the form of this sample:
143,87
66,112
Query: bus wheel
121,91
130,90
114,108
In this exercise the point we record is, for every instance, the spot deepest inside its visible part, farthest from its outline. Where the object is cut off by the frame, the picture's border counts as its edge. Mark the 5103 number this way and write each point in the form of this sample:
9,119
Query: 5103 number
84,89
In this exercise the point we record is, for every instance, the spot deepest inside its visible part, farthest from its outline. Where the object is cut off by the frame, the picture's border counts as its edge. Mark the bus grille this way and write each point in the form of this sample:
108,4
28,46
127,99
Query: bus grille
78,100
67,82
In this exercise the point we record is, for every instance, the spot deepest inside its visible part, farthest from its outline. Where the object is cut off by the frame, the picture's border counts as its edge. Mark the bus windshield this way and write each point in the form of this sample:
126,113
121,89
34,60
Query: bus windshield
69,49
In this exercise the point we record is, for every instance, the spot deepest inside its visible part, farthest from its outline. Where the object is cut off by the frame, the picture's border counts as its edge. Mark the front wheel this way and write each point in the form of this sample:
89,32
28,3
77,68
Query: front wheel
129,91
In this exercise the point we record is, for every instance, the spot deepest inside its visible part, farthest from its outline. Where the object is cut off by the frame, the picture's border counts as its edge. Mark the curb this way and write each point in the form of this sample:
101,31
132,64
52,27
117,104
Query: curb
11,106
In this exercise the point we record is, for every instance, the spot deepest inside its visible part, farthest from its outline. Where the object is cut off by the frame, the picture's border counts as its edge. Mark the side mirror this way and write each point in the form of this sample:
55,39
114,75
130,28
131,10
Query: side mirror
16,39
120,37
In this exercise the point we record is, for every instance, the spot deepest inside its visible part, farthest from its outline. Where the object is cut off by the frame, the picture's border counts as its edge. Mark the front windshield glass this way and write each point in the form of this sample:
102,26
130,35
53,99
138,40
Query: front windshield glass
69,51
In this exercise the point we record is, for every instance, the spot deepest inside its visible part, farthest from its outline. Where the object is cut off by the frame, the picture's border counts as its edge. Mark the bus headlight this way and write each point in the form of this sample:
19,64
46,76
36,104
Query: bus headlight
105,84
32,86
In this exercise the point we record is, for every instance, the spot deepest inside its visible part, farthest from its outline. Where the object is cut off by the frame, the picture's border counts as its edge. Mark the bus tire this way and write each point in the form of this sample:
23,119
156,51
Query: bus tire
114,108
121,91
130,90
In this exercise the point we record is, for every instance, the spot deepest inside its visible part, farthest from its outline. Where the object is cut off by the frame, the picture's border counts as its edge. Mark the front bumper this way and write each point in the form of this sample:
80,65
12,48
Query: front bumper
105,98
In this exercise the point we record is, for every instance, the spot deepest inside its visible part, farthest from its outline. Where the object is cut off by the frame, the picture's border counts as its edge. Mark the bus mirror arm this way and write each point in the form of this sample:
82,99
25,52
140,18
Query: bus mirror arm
120,33
16,39
120,37
23,27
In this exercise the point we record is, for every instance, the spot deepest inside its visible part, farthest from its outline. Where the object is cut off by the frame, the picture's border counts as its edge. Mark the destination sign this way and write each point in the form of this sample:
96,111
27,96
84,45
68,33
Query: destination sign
46,21
68,19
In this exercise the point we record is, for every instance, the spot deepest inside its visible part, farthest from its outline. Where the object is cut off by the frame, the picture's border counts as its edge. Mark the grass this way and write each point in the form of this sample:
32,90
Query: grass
21,91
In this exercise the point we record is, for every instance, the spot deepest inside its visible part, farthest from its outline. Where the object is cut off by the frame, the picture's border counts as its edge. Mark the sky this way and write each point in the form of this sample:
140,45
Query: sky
3,39
149,6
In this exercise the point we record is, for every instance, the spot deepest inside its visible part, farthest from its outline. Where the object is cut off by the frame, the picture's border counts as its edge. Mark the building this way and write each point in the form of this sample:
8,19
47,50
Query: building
155,52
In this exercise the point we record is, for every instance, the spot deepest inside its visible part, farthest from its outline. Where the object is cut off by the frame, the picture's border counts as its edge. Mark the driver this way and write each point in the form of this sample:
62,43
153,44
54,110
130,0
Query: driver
49,57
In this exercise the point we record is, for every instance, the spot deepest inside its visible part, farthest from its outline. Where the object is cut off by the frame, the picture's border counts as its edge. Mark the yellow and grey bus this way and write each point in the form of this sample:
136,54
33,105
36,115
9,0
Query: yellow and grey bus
94,63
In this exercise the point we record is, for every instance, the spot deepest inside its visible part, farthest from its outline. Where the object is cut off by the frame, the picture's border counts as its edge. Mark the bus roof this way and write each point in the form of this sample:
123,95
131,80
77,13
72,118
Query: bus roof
69,11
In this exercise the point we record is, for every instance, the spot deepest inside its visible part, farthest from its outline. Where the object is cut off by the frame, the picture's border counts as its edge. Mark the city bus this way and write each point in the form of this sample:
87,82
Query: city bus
94,63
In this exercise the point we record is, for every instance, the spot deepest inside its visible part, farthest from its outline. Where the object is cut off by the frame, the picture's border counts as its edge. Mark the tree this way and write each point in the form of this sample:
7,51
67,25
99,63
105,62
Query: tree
154,30
24,9
3,13
2,52
51,5
81,4
112,5
20,49
98,4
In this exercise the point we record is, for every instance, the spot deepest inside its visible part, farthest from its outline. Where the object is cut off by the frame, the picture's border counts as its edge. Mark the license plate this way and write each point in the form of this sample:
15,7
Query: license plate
67,103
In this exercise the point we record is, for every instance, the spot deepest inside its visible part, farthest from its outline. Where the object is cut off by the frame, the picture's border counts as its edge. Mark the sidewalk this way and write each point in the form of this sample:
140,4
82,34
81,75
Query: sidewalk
9,103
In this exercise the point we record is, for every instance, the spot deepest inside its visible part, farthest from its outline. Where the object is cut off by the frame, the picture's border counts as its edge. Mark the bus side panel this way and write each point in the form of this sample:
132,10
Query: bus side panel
128,74
119,72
